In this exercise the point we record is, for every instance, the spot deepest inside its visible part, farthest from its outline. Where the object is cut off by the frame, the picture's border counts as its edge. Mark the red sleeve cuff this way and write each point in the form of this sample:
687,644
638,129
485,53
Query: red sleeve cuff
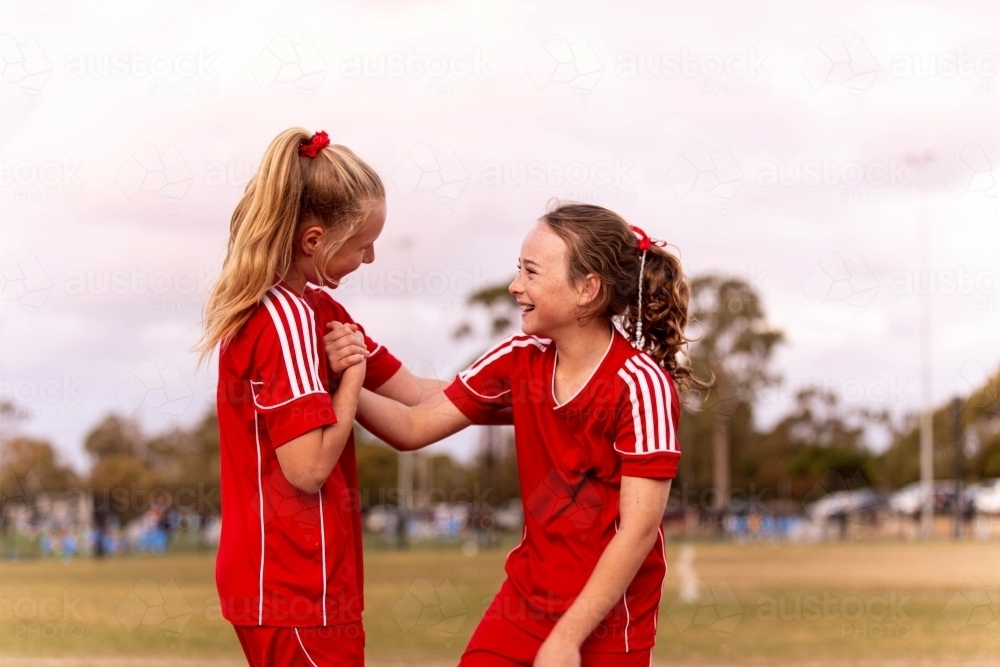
380,367
469,404
659,465
297,417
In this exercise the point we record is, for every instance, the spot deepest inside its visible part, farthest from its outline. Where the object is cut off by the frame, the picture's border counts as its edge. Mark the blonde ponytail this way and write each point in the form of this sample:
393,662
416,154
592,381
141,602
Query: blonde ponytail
335,190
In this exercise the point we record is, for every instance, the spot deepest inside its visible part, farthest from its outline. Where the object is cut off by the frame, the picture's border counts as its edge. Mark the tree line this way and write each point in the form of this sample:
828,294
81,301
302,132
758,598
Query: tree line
820,444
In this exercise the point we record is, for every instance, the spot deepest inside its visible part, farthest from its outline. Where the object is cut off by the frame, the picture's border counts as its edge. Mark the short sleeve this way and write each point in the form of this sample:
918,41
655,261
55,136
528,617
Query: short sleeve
484,387
287,391
647,418
381,364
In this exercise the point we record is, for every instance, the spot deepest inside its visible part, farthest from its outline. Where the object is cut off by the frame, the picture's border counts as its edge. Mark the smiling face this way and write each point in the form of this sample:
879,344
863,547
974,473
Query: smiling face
550,302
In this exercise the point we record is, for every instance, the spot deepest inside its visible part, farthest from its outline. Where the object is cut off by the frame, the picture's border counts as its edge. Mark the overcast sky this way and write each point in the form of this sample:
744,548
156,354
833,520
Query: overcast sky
794,147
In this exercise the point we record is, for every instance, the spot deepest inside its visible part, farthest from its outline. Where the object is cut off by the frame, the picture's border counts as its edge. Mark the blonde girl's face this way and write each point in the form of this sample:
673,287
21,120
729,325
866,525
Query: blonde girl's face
549,300
358,249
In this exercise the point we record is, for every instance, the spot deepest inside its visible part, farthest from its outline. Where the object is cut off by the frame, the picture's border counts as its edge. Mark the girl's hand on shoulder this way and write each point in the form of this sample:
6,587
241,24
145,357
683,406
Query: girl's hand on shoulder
345,346
557,653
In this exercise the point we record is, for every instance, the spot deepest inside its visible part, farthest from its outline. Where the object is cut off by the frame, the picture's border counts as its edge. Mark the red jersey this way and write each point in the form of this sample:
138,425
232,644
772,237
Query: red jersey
287,558
571,458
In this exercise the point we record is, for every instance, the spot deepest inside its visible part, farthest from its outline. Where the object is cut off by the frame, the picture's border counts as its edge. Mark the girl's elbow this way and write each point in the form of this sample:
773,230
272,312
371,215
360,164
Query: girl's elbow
305,483
644,536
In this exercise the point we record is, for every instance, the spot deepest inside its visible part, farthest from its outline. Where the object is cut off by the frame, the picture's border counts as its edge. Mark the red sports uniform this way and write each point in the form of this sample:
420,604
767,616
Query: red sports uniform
571,458
289,563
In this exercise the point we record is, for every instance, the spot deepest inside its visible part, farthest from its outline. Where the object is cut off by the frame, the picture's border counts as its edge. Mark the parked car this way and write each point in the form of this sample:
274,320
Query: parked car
910,499
986,497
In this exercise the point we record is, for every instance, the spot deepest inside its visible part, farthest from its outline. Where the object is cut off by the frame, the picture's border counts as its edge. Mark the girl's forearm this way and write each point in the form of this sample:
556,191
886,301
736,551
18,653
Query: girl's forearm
335,436
607,583
408,428
390,421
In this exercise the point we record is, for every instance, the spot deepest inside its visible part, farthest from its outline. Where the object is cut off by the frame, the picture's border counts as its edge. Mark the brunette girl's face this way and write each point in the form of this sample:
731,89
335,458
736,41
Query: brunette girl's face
358,249
549,301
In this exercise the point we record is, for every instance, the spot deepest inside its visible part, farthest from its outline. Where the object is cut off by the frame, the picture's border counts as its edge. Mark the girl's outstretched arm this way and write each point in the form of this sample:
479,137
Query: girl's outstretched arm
410,427
642,503
410,389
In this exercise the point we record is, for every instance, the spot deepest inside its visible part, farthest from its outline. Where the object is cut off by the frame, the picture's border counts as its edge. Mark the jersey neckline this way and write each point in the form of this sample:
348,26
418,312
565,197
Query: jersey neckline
556,405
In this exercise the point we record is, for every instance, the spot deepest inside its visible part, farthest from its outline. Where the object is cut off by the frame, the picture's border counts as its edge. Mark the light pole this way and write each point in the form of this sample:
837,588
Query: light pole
926,376
404,460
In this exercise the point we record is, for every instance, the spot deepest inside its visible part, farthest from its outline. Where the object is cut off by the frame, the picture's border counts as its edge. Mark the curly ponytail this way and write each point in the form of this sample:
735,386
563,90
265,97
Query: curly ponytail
601,243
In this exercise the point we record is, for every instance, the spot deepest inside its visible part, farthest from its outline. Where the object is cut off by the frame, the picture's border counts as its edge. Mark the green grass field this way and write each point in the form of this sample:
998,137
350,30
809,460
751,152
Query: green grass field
775,604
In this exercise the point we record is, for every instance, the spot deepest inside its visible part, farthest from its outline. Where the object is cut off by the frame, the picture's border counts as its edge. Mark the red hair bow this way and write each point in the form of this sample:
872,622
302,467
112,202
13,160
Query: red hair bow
310,148
645,242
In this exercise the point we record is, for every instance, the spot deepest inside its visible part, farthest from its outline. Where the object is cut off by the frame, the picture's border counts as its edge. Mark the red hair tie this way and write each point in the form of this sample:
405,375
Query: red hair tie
316,142
645,242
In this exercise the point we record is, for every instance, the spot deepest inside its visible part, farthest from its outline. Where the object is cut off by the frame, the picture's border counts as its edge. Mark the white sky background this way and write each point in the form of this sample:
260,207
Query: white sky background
117,187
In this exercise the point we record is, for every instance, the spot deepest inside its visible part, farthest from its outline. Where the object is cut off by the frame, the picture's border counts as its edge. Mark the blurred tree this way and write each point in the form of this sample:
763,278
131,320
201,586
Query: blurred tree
900,463
185,463
120,478
815,438
34,465
734,346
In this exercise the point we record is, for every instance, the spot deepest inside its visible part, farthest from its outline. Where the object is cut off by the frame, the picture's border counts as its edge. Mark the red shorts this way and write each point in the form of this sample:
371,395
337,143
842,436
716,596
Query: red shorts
502,642
312,646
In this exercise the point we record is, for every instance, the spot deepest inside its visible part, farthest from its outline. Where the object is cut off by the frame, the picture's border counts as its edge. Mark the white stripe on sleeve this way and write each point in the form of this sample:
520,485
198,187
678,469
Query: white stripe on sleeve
634,399
643,383
298,341
279,326
659,388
